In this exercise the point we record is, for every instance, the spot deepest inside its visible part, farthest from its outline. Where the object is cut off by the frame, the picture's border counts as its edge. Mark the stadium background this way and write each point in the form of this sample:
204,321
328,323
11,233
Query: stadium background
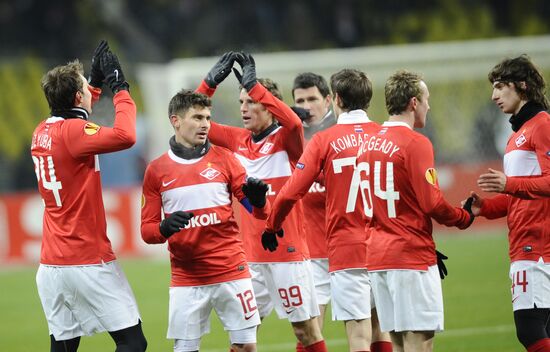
166,45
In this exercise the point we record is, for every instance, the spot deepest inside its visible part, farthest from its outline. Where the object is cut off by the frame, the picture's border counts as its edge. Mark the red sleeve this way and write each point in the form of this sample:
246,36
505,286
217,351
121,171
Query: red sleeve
496,207
151,205
86,138
205,89
294,138
307,171
421,165
238,178
534,187
226,136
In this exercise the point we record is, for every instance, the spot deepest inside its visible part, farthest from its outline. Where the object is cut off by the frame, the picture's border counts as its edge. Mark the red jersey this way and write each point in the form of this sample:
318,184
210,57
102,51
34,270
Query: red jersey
64,152
401,195
527,198
209,249
332,152
272,160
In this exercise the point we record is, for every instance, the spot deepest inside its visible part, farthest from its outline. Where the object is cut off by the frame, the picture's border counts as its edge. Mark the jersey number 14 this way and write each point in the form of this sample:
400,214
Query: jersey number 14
53,184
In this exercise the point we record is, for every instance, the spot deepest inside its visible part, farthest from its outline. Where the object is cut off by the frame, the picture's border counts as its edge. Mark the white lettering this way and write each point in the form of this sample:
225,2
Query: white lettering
270,191
203,220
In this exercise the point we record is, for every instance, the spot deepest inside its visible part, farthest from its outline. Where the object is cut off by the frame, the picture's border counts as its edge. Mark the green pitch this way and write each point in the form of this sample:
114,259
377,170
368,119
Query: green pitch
478,314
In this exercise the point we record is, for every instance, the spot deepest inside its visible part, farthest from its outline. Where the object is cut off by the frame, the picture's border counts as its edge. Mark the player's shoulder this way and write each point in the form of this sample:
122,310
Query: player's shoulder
160,161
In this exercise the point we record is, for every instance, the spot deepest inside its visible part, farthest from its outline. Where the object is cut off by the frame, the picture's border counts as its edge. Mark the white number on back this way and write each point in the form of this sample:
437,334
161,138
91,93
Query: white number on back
51,185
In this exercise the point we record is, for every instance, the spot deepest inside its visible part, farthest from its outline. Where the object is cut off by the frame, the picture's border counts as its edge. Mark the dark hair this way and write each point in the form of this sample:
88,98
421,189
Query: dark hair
521,69
309,79
353,87
400,88
186,99
61,83
271,86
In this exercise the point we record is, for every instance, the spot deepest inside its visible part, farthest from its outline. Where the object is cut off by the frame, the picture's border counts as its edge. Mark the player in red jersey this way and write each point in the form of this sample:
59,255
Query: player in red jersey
401,195
193,184
268,147
524,187
332,153
311,93
82,288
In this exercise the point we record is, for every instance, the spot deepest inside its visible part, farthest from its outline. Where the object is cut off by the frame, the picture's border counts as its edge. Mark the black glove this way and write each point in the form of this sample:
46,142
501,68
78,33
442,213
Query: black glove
269,240
175,222
112,71
221,70
468,207
302,113
248,79
255,190
440,264
96,75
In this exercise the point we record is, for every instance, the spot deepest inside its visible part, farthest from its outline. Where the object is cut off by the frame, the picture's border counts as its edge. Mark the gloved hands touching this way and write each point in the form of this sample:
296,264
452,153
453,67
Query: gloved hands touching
220,70
269,240
440,264
255,190
114,77
175,222
248,78
468,207
96,75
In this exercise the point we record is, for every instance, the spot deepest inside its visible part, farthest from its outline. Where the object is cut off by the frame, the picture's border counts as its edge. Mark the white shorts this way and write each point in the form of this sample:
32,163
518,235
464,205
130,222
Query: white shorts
287,287
530,284
321,279
190,307
86,299
408,300
351,294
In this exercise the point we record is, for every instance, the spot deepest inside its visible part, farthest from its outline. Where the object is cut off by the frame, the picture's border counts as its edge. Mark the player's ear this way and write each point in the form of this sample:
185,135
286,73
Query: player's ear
337,100
413,102
174,121
78,98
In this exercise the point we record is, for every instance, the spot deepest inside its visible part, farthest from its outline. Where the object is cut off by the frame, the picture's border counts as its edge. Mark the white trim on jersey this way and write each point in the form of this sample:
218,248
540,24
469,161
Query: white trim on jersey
352,117
396,124
269,166
213,194
521,163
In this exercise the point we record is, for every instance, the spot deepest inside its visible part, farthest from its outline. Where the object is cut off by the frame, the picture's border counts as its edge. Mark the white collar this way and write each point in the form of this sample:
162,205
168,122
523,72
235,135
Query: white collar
54,119
352,117
395,124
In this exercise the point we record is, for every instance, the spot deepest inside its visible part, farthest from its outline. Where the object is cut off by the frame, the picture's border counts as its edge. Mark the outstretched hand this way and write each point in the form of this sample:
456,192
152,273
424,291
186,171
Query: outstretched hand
493,181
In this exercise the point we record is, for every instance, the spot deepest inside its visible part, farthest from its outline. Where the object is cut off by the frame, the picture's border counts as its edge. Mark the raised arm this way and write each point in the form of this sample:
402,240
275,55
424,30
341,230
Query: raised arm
307,171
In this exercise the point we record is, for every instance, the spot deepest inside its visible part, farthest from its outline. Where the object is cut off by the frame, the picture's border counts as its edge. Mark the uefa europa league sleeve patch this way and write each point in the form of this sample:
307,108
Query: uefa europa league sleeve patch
431,176
91,128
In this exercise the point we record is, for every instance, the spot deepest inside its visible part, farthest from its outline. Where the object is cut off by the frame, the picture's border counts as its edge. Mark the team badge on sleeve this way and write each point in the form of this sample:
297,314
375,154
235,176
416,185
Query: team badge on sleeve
431,176
300,166
91,128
